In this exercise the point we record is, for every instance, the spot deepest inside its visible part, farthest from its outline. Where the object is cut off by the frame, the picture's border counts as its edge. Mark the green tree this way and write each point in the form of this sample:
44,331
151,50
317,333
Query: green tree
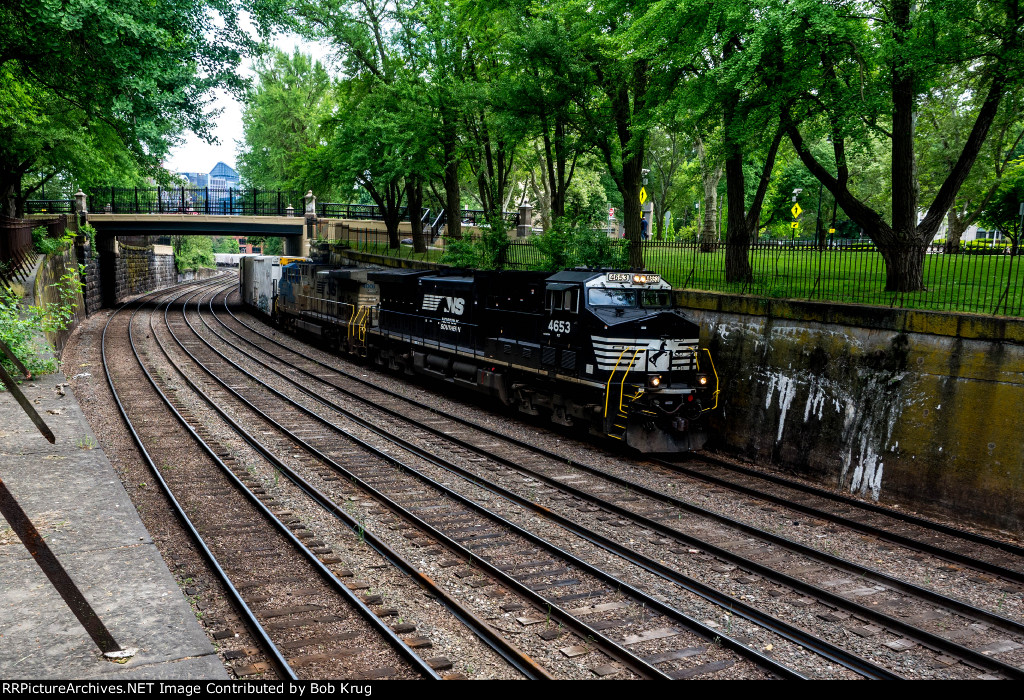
1003,211
862,76
192,252
616,110
283,120
225,244
718,69
944,124
91,83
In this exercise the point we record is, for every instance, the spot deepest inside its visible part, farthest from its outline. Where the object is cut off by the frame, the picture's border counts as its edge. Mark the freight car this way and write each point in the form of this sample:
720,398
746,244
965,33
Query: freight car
258,279
602,349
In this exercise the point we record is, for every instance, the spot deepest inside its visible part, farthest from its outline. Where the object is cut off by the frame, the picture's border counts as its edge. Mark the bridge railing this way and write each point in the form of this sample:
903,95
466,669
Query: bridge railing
227,201
49,206
239,202
16,251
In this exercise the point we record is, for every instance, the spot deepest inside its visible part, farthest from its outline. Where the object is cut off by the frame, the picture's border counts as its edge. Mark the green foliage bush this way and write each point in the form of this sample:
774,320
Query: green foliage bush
573,243
90,231
193,252
461,252
984,246
46,245
20,328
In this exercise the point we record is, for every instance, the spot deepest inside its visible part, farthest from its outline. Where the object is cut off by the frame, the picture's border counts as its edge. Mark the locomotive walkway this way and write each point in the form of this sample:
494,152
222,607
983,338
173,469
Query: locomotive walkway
73,496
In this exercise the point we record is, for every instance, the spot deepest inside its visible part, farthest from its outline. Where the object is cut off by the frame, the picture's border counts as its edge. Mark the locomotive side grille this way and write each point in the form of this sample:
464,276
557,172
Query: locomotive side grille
547,355
569,359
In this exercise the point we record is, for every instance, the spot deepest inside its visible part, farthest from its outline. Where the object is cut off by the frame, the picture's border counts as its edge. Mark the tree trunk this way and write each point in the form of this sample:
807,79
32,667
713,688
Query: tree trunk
414,197
10,203
452,191
709,227
904,266
737,237
954,232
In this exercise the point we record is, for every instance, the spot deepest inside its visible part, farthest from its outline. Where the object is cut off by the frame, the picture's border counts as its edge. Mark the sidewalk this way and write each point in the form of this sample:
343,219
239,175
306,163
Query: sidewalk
74,498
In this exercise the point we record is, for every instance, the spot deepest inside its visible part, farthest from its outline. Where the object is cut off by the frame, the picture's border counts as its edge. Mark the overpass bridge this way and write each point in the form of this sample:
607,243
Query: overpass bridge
209,211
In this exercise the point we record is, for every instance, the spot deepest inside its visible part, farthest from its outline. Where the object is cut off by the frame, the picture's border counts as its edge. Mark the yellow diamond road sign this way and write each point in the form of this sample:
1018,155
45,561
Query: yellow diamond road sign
797,211
643,195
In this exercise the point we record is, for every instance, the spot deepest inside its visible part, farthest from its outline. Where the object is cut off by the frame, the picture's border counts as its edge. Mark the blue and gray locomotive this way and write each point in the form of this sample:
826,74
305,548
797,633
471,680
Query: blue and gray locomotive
600,349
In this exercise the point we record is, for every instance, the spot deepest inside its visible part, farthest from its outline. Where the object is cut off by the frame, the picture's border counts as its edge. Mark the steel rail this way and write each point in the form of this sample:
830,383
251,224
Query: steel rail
611,648
515,657
393,639
926,638
255,628
823,557
777,626
875,531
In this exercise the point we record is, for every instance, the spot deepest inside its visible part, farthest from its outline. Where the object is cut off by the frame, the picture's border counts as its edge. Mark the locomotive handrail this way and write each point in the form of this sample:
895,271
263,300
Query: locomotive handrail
473,328
317,308
361,319
350,325
713,371
608,386
622,384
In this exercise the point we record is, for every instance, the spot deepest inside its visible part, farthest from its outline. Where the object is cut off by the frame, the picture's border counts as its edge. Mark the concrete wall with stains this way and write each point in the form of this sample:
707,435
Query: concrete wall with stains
920,408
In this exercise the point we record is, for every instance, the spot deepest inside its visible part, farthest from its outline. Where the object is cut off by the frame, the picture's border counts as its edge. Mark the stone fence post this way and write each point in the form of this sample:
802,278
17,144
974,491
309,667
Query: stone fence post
525,227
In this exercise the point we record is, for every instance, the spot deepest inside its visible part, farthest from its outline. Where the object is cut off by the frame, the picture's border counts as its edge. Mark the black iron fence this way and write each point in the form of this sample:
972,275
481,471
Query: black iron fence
360,212
16,250
985,279
49,206
237,201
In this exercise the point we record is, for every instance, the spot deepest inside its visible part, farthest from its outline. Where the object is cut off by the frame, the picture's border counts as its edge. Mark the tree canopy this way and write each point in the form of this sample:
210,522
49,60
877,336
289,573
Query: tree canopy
102,88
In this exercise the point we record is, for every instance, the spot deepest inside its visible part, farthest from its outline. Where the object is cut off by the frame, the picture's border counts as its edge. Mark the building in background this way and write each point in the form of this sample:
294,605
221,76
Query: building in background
221,177
196,179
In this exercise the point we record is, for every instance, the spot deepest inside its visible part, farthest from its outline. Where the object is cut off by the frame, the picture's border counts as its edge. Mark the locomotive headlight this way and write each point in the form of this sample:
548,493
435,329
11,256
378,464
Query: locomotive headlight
654,381
702,379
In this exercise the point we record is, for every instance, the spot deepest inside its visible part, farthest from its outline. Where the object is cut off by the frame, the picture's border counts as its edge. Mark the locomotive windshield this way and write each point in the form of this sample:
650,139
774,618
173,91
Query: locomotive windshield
612,297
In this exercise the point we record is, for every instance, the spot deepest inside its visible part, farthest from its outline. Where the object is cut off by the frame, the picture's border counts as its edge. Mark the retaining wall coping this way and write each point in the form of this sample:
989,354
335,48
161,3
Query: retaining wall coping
941,323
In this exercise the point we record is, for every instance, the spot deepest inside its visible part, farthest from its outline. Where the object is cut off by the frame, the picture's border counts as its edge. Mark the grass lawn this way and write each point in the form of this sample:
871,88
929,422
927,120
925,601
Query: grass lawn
986,284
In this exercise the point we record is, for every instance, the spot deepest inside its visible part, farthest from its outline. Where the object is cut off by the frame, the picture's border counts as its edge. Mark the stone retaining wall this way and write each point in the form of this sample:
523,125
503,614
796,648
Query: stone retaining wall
922,408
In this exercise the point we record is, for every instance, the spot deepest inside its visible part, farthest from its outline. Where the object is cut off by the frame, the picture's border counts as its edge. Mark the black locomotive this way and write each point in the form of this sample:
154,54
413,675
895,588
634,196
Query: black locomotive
603,349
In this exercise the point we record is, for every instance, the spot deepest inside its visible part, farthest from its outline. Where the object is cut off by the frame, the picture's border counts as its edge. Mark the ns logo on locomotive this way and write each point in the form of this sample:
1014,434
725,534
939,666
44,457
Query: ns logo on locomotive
602,349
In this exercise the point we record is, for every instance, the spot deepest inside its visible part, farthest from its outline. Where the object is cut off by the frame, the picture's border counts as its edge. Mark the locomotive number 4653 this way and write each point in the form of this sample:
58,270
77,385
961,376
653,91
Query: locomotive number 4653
560,326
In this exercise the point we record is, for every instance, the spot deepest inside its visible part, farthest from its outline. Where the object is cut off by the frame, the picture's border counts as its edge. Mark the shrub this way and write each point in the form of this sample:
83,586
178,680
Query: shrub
46,245
460,252
20,328
571,243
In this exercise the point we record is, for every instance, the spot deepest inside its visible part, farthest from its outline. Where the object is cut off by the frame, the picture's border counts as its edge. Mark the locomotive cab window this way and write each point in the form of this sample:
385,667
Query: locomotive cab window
656,299
563,297
612,297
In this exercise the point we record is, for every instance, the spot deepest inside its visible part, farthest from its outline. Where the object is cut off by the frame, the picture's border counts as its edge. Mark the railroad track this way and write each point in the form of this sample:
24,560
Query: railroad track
563,595
306,622
907,635
732,604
